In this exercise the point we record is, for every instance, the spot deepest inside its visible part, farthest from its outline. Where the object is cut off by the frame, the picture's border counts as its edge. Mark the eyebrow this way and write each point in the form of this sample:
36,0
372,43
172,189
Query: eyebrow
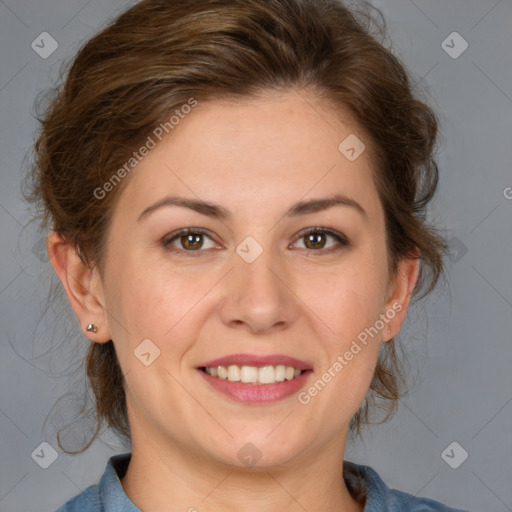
219,212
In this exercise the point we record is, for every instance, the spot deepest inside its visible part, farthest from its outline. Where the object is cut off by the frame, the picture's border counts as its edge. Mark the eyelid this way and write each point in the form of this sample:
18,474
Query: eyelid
168,239
341,239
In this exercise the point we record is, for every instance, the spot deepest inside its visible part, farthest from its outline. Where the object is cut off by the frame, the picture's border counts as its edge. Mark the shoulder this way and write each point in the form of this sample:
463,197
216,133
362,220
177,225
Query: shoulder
88,500
108,494
364,482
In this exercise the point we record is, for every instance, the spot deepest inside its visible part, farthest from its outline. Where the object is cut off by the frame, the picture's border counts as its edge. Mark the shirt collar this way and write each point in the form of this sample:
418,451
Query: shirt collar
112,494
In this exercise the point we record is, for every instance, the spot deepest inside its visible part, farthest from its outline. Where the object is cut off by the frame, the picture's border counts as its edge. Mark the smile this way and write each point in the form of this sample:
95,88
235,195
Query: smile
254,391
253,374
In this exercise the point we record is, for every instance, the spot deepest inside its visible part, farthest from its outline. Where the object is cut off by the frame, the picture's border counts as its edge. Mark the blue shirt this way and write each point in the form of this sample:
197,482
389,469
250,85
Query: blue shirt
109,496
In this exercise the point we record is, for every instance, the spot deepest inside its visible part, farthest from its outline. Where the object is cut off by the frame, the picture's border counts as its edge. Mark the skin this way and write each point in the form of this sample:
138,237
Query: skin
255,158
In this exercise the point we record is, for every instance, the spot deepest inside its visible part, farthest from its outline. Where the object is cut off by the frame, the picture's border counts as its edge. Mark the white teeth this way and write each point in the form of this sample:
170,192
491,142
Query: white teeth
253,374
280,372
249,374
289,373
234,373
266,375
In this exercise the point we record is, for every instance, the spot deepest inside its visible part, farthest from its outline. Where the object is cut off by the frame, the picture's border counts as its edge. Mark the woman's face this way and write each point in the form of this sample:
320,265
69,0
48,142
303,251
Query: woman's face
249,282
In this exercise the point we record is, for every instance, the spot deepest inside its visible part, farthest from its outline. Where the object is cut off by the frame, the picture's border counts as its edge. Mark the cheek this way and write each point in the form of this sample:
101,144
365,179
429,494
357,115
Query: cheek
353,338
349,299
148,301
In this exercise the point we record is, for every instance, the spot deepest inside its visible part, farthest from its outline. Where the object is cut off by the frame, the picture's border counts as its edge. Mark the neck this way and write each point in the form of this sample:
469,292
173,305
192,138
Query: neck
193,482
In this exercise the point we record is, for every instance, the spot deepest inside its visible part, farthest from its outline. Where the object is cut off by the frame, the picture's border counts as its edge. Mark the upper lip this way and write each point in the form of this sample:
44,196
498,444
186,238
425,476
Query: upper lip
257,360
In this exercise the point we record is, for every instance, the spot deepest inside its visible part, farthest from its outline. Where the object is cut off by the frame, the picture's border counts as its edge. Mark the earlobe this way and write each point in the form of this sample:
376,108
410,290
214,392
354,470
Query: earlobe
399,295
83,287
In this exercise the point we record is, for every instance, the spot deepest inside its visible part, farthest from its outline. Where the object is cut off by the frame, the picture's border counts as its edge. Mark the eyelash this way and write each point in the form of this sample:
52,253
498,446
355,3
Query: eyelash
341,239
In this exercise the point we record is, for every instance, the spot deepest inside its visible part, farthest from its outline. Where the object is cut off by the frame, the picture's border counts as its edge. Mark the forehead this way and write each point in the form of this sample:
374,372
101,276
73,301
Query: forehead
274,149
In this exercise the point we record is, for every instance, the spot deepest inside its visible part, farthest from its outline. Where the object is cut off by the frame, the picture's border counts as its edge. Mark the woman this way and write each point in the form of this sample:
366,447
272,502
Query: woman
236,192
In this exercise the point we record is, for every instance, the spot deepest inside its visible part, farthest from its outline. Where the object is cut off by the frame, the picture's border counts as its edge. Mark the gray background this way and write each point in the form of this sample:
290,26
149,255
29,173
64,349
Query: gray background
458,341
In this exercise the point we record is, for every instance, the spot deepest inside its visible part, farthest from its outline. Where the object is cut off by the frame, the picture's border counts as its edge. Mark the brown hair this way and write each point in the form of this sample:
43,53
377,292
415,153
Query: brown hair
156,56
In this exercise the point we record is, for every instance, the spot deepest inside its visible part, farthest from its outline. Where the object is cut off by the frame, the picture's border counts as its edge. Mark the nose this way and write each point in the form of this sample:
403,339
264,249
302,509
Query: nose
259,296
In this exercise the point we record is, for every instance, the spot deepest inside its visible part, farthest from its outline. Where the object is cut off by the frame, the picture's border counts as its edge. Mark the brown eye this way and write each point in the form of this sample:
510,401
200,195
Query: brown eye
315,240
318,240
188,240
192,241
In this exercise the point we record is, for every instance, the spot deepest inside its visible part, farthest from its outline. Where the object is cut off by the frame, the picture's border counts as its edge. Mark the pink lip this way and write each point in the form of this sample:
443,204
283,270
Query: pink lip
256,393
255,360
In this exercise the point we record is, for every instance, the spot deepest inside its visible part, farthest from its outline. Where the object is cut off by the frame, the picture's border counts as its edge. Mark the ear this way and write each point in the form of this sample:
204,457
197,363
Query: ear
83,287
399,294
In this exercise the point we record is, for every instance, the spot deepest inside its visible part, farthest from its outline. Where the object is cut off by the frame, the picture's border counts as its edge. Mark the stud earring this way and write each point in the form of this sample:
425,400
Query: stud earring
91,328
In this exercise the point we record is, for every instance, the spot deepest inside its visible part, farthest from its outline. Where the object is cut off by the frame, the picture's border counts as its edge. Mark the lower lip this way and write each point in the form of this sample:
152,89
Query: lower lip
257,393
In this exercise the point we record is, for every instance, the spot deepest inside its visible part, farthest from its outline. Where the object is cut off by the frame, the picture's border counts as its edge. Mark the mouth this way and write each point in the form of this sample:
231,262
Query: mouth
256,379
254,375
